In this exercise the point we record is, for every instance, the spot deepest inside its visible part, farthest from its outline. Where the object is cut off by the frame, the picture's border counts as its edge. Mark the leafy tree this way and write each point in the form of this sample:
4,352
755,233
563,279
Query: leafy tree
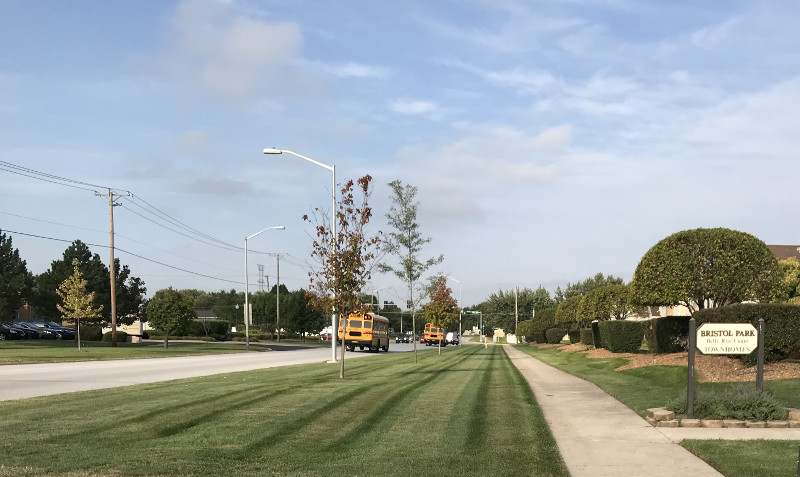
93,271
170,312
584,287
541,300
76,303
224,306
706,268
16,282
604,303
301,316
346,267
265,309
568,310
789,286
130,294
405,242
130,290
442,308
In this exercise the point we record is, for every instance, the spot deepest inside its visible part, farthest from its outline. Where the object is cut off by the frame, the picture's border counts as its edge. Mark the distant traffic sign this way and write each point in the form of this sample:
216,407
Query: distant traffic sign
727,338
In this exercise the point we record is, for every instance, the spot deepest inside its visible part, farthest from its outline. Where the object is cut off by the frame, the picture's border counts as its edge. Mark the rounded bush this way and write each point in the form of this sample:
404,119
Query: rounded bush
91,333
121,337
586,336
743,402
555,335
574,335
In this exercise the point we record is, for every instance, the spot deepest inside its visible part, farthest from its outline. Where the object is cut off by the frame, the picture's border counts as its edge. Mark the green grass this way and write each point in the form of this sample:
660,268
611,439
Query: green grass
653,386
49,351
758,458
647,387
467,412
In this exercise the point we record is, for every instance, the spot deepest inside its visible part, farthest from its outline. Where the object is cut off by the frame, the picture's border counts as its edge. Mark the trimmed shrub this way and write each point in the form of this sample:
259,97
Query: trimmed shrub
743,402
586,336
555,335
574,335
782,323
668,334
121,337
621,336
596,338
91,333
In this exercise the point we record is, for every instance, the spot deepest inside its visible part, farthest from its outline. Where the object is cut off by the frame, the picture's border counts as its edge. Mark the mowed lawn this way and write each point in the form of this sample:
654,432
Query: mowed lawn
51,351
467,412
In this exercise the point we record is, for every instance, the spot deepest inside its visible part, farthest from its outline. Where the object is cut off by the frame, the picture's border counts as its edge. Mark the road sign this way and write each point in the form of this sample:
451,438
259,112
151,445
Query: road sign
727,338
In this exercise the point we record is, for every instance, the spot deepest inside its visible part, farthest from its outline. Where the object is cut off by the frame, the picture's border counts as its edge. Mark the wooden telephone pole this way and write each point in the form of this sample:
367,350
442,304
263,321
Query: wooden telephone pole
111,195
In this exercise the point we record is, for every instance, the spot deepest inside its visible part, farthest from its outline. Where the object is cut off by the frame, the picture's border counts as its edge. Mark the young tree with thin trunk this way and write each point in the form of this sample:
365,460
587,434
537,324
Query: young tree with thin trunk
442,309
405,242
170,311
344,269
76,303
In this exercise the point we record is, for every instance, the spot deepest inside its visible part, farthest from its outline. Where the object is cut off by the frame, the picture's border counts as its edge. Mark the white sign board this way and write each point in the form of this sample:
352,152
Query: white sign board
727,338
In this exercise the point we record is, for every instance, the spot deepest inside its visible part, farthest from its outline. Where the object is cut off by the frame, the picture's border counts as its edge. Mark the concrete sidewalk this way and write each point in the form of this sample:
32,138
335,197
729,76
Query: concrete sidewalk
599,436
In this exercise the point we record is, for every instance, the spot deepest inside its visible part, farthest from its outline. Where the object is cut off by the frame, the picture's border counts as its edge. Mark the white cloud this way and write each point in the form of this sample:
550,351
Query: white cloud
713,36
228,55
357,70
194,141
414,107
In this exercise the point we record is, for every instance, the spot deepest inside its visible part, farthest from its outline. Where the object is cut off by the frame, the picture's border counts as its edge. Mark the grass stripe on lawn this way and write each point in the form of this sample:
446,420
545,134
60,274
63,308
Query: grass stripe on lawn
466,412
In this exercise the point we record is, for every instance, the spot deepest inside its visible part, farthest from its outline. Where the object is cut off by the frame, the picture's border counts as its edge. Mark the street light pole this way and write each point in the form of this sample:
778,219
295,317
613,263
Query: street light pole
332,168
378,297
460,306
247,287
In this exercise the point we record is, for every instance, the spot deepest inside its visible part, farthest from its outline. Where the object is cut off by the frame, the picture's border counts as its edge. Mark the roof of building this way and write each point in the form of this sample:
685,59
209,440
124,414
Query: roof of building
782,252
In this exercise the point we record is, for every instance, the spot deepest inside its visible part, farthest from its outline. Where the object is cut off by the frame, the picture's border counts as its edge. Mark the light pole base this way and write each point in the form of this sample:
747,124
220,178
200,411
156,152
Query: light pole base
331,361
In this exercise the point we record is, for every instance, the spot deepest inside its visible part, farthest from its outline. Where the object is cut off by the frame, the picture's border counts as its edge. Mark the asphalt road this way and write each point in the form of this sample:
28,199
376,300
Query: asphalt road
19,381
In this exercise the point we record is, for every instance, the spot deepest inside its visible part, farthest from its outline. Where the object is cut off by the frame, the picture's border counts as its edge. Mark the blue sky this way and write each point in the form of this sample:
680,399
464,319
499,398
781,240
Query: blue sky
550,140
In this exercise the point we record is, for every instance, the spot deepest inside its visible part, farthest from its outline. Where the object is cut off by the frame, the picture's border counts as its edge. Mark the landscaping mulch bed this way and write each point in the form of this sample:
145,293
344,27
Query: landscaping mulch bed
709,369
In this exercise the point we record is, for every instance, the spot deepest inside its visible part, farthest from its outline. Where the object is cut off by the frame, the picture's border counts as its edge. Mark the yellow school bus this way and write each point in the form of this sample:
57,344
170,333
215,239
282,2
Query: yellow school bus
433,335
369,331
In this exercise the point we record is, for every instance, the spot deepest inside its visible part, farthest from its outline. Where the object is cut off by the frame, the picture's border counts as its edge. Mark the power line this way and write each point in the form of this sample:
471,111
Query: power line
121,236
129,253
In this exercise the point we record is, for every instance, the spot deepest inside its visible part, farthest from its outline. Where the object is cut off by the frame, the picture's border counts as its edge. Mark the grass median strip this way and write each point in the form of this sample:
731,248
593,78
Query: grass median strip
47,351
467,412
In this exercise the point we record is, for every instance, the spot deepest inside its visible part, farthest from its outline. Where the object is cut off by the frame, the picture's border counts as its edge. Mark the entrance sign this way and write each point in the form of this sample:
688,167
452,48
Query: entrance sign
727,338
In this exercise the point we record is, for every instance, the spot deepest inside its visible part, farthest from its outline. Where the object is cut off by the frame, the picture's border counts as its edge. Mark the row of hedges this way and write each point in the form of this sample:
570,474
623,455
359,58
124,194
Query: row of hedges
621,336
668,334
782,327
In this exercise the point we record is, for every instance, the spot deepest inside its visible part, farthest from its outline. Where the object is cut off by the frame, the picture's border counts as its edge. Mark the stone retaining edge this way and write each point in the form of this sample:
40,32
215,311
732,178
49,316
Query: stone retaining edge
661,417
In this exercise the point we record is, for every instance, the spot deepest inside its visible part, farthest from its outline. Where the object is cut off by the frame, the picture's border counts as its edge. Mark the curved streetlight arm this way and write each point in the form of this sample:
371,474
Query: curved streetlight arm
279,227
281,151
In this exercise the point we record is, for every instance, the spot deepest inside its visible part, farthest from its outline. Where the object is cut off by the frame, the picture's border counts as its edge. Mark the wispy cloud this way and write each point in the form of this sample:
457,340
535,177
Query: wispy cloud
414,107
209,45
357,70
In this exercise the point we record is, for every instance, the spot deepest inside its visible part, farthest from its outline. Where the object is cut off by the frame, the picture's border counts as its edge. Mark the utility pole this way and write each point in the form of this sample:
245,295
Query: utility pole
111,270
516,309
278,293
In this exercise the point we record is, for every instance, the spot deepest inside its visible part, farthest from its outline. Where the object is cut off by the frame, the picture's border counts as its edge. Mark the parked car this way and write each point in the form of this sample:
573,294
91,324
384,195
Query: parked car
325,336
8,332
62,332
37,332
452,338
422,339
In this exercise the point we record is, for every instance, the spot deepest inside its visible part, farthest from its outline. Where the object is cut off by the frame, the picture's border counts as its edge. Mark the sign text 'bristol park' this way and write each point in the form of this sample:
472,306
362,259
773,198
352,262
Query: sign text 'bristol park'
727,338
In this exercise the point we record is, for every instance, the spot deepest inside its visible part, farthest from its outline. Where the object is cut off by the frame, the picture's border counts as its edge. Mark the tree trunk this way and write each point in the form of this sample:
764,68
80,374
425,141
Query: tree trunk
78,333
166,340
